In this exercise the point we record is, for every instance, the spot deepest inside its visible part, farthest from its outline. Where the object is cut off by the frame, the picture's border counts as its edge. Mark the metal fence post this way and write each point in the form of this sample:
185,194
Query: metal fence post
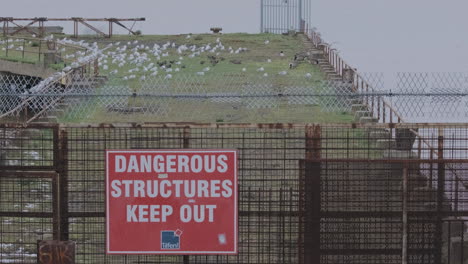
440,195
261,15
300,16
39,51
404,251
312,195
56,186
63,183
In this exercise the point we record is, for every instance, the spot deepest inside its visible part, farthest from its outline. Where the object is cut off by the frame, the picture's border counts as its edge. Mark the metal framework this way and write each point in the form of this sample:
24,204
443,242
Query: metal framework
308,193
281,16
40,21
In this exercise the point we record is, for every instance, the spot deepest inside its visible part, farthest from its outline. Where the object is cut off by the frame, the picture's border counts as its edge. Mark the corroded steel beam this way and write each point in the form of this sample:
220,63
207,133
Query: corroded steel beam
75,20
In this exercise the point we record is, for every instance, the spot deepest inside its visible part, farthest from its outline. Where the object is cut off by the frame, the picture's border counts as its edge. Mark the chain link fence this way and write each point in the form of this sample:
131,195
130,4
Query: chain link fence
423,97
78,96
185,98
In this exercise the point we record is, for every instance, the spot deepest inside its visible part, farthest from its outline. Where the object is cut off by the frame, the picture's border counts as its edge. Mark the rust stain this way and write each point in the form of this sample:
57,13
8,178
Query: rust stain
56,252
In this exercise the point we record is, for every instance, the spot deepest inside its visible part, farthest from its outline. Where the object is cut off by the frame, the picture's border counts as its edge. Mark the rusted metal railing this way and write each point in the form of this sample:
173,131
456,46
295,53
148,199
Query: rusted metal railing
377,105
33,50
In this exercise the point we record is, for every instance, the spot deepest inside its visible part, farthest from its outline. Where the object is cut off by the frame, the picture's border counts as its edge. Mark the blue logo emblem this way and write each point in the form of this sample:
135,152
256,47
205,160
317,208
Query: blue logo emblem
170,239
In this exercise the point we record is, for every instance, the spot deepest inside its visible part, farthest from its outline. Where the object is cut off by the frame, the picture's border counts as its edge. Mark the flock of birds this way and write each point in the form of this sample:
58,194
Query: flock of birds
135,60
164,60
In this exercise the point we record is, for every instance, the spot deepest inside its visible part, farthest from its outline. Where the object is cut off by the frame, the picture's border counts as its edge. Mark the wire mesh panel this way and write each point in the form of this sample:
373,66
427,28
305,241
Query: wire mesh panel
385,195
268,197
26,215
376,193
280,16
26,147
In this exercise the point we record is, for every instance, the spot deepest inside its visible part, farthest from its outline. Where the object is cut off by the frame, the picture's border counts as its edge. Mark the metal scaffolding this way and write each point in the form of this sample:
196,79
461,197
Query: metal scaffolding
40,21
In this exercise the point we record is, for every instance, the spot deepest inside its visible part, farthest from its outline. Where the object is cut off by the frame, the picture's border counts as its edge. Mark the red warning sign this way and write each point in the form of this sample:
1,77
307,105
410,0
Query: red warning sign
171,201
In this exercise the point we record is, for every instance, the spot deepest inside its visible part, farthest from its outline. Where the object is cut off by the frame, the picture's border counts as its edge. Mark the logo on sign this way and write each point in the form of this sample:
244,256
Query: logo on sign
170,239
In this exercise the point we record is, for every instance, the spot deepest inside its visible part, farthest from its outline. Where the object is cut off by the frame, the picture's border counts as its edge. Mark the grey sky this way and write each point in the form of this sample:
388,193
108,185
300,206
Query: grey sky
373,35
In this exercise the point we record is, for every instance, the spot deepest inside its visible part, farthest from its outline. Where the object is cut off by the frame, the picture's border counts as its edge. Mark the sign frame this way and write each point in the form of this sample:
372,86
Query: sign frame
235,191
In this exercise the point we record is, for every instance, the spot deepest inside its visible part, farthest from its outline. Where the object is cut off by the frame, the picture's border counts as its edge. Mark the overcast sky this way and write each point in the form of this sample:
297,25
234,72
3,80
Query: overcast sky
373,35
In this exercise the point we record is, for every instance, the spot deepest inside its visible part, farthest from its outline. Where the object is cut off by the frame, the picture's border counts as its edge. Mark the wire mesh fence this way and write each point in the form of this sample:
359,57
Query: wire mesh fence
372,193
187,98
80,96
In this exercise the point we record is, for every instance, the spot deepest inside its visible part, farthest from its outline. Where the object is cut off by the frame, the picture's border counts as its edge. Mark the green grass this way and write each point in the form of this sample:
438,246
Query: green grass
31,53
27,60
223,77
256,56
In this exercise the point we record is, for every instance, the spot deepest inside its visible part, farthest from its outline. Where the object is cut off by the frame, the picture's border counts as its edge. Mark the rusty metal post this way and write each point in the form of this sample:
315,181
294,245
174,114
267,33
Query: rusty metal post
56,185
313,142
372,102
367,92
404,251
63,182
431,167
440,195
378,107
39,52
75,28
41,29
384,114
5,27
110,28
312,195
96,67
419,148
300,242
